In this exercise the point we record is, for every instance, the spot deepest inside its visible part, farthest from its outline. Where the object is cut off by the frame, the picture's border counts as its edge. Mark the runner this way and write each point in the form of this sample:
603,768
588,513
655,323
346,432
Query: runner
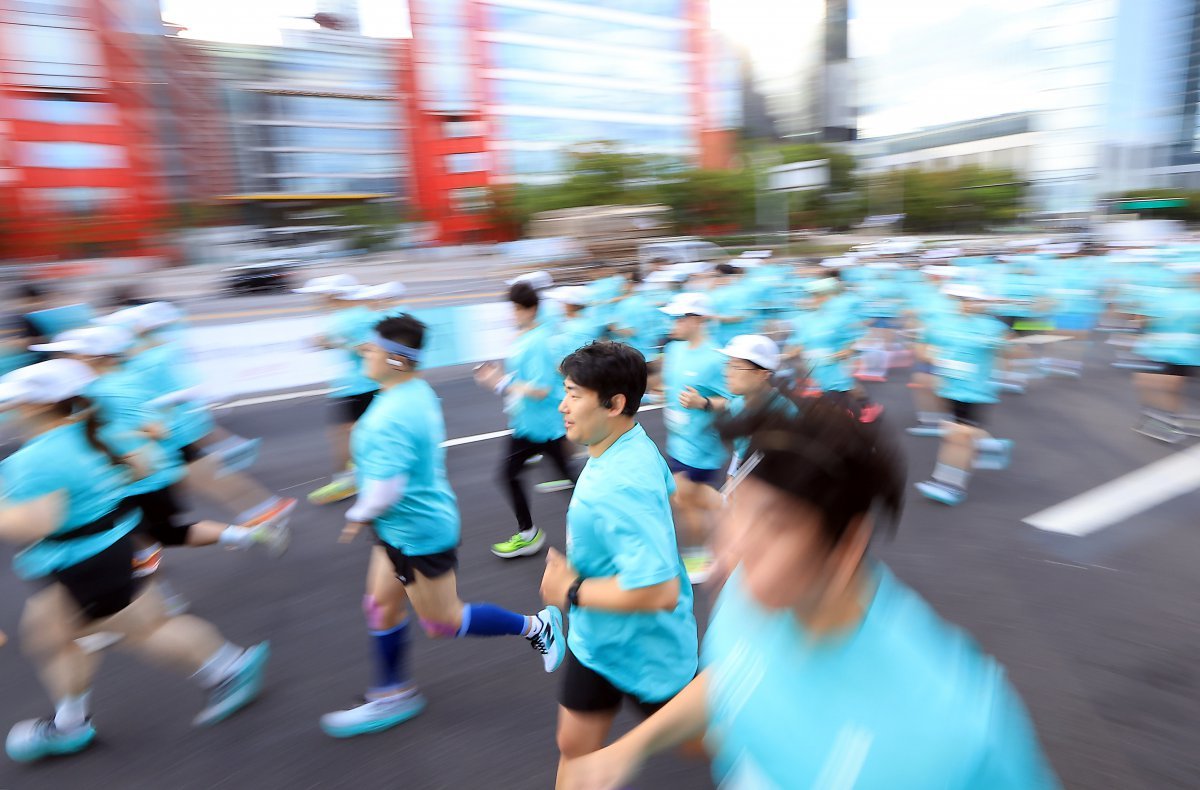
132,426
532,388
823,339
576,328
63,493
347,329
822,669
963,346
1171,341
694,374
406,500
633,635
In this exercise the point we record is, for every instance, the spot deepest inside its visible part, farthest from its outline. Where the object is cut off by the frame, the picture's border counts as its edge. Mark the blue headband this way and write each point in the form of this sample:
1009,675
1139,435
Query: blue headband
399,349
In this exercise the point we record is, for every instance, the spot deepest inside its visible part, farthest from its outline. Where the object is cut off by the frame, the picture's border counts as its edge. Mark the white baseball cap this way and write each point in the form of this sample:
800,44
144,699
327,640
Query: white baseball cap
45,382
539,280
371,293
89,341
973,292
665,276
155,315
570,294
688,304
759,349
329,284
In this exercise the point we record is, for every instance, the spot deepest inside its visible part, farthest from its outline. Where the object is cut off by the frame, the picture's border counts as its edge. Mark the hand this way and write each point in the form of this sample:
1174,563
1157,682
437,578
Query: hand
488,375
350,531
557,579
138,466
608,769
691,399
3,639
846,354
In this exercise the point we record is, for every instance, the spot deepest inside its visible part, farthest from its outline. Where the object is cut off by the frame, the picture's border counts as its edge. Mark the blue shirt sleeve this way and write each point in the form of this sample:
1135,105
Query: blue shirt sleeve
1012,756
642,547
390,451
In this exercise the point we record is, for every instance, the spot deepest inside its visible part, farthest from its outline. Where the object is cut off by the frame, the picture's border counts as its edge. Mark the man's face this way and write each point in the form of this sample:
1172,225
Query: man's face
686,327
587,422
375,363
786,559
524,316
744,377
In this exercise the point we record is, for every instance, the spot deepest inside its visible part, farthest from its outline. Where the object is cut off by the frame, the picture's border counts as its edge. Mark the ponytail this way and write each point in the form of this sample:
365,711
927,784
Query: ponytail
82,407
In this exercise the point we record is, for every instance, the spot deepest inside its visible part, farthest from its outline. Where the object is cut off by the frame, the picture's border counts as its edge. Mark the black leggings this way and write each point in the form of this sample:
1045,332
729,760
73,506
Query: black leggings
519,451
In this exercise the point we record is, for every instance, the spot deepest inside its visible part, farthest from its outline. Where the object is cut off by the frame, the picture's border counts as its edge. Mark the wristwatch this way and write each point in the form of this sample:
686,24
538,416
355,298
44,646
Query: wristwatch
573,591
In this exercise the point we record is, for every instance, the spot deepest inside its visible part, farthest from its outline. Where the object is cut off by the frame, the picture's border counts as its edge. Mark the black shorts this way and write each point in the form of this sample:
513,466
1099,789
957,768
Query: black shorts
970,414
191,452
1171,369
708,477
352,407
430,566
101,585
586,691
161,513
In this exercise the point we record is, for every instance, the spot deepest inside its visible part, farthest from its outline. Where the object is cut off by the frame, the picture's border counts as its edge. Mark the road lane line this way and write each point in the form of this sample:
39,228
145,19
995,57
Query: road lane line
1124,497
273,398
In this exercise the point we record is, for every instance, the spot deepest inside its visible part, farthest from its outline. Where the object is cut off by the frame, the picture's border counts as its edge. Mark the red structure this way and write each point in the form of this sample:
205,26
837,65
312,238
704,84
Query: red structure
82,176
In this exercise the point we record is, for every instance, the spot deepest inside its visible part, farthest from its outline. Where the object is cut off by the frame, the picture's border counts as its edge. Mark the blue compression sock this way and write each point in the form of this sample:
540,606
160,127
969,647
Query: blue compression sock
485,619
390,649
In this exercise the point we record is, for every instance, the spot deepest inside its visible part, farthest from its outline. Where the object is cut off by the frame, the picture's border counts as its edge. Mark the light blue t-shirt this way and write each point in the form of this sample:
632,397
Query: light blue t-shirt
964,349
733,300
1172,334
691,436
905,701
533,359
619,524
349,329
401,433
821,334
122,400
62,460
162,372
572,334
639,311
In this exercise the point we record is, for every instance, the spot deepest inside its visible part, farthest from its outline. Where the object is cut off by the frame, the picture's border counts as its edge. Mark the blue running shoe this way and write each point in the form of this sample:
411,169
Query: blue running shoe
34,739
239,689
374,715
550,641
940,492
993,454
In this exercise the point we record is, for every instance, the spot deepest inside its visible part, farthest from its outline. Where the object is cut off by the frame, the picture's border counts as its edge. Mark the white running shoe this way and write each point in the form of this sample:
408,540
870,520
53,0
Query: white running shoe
550,641
553,486
374,715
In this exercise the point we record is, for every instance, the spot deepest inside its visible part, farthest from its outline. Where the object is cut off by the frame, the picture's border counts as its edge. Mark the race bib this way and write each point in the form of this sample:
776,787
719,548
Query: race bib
676,419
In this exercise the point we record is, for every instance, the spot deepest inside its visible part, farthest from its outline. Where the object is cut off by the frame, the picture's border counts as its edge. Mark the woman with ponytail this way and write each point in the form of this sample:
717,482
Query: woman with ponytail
63,500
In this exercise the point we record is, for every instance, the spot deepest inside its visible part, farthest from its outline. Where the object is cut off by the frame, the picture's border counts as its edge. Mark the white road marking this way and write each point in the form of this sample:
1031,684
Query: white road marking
273,398
1124,497
479,437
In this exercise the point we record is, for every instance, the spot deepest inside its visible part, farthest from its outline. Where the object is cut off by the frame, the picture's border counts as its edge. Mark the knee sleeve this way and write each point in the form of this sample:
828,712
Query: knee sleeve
435,629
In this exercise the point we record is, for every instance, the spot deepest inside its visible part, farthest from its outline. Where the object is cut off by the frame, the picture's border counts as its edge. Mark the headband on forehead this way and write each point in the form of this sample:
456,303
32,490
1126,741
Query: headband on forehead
399,349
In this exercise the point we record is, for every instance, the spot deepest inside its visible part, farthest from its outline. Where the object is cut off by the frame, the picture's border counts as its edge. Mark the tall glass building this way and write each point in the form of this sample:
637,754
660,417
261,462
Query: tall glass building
503,87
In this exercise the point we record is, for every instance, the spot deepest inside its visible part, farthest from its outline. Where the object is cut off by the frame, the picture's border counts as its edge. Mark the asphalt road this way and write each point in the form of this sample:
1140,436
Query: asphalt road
1099,633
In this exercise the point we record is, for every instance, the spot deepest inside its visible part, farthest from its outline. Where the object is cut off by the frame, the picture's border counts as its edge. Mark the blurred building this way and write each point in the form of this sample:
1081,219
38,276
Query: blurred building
1100,96
82,167
315,123
500,88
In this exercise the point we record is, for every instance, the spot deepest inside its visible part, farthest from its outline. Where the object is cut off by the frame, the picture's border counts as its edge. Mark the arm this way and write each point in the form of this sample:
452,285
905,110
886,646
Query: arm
372,502
30,521
680,720
605,592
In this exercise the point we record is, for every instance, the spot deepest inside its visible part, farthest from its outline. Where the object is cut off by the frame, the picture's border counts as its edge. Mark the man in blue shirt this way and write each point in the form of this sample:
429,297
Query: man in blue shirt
406,499
963,347
694,375
633,634
532,387
821,668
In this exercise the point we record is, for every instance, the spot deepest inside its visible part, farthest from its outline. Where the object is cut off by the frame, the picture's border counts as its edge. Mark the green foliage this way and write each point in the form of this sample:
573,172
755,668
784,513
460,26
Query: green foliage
963,199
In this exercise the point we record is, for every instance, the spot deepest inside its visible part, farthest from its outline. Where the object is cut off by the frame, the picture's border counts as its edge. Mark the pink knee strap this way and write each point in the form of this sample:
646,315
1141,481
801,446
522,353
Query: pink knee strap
438,630
373,612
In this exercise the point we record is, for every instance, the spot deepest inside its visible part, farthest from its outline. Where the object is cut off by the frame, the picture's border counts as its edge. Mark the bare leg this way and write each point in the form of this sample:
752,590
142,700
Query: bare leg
239,492
581,733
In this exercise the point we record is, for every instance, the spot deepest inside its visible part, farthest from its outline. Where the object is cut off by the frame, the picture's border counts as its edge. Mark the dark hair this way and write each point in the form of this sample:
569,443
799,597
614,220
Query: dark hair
635,277
727,268
91,426
523,295
403,329
819,452
31,291
609,369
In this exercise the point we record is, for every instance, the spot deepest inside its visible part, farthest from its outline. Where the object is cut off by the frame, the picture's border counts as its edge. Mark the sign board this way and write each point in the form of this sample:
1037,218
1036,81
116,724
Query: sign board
799,176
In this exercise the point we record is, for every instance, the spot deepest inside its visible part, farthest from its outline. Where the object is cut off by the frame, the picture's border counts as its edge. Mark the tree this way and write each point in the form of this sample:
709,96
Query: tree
966,198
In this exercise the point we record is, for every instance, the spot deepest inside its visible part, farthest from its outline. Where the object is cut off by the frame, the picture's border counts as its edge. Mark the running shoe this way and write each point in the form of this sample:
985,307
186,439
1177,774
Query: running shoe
238,689
552,486
275,534
237,455
699,566
869,412
34,739
550,641
517,546
340,489
924,430
1159,429
99,641
940,492
995,455
147,565
374,715
533,459
280,511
